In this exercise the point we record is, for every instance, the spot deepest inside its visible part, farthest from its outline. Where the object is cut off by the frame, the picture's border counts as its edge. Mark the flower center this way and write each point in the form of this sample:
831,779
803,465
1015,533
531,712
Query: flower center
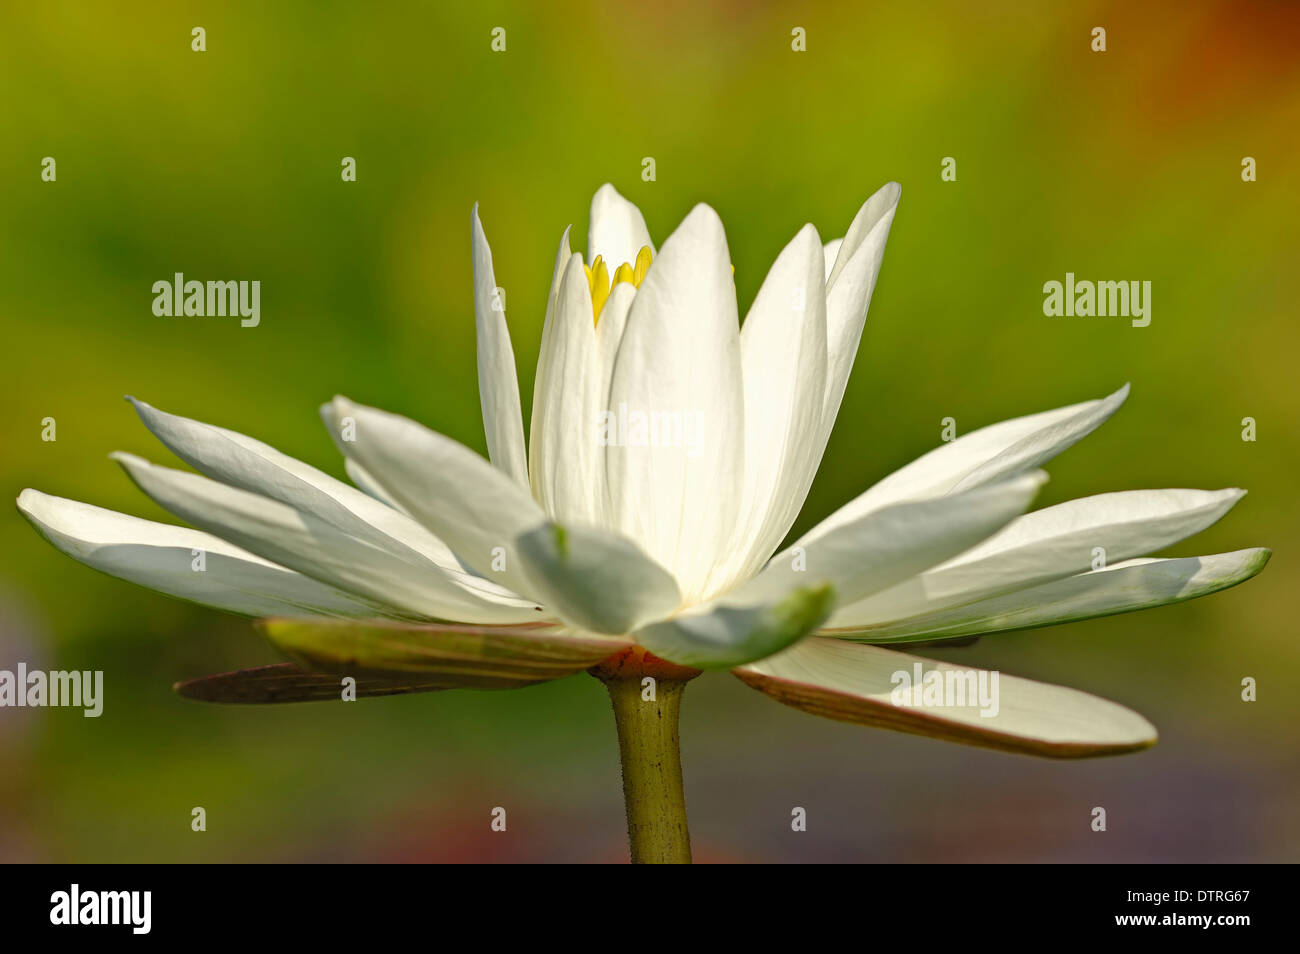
601,284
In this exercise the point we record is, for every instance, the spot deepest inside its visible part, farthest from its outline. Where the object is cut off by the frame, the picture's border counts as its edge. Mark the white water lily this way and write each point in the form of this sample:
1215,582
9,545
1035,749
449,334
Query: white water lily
610,545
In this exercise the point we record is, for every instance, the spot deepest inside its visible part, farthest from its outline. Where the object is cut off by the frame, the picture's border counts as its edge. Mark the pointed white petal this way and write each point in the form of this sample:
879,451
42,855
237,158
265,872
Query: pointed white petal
164,558
1122,588
617,231
450,489
1046,545
850,682
730,633
609,333
368,484
994,452
848,293
865,229
498,382
572,457
783,358
830,253
609,336
894,543
594,580
393,576
1044,443
849,285
678,369
248,464
545,382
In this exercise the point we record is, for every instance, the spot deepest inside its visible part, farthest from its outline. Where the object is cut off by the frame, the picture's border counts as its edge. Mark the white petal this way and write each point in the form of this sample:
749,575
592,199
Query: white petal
450,489
368,484
391,575
679,365
545,382
162,557
894,543
617,231
1121,588
849,285
730,633
830,253
571,478
498,382
248,464
1047,545
848,293
1043,443
994,452
594,580
864,230
609,333
850,682
783,359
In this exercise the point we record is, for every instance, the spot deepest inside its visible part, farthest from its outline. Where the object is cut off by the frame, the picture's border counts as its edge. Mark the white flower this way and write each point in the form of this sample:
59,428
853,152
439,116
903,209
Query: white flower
670,452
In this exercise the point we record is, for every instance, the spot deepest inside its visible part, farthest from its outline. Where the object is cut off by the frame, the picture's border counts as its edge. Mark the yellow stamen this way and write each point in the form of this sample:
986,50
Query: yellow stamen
622,274
642,265
601,285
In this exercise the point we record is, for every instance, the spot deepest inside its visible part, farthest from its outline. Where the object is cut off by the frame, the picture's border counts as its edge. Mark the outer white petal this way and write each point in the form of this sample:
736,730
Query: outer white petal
680,359
990,453
162,558
248,464
392,576
498,382
729,633
831,252
617,231
864,231
450,489
849,284
544,381
571,478
850,682
609,333
596,581
1047,545
894,543
783,359
367,483
848,293
1121,588
1042,444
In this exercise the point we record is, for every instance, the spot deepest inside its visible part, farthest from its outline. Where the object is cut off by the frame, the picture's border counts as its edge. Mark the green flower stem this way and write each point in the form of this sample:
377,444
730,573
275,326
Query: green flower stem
648,746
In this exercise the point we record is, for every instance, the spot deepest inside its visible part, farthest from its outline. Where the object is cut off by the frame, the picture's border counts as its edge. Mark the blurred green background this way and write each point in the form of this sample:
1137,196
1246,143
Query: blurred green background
225,164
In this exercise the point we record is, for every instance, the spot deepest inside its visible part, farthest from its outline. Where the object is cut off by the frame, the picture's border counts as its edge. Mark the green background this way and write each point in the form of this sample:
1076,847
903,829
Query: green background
225,164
